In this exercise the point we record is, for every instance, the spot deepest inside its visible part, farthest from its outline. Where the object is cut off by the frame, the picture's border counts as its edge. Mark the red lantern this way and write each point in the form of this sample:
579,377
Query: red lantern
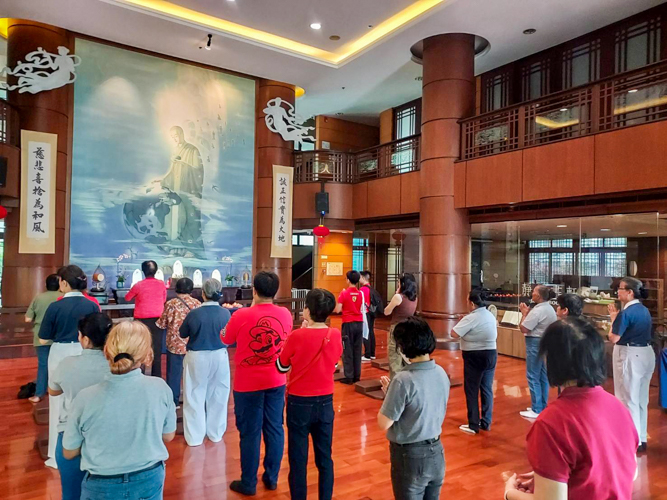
321,231
3,212
398,237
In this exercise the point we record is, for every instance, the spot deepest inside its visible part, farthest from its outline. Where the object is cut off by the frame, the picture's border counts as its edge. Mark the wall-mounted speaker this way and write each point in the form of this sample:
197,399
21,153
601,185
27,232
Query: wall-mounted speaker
322,203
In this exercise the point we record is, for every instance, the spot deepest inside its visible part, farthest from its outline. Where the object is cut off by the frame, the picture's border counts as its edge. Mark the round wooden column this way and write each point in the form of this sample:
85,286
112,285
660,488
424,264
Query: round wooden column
49,111
271,150
448,95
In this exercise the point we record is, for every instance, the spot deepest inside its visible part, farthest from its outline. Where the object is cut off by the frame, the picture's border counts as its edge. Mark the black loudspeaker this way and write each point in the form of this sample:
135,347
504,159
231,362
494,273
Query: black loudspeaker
3,171
322,203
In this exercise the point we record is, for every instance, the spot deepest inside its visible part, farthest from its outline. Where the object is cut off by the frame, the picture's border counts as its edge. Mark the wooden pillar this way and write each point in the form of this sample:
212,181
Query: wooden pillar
271,150
448,96
49,111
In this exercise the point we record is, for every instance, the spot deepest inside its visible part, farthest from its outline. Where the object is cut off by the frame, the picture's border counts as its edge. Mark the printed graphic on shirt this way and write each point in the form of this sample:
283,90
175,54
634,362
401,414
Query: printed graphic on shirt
267,341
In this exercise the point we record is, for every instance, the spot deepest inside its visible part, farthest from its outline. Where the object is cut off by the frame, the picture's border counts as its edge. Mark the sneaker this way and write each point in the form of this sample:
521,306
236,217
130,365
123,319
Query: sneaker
365,359
466,428
641,448
51,462
238,487
530,408
529,414
373,357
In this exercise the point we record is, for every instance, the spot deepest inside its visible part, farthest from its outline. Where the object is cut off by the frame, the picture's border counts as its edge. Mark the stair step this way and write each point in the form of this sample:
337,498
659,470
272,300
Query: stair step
366,386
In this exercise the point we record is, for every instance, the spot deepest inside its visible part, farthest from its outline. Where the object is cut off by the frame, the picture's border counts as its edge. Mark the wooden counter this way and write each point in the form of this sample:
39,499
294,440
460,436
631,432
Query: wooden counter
511,342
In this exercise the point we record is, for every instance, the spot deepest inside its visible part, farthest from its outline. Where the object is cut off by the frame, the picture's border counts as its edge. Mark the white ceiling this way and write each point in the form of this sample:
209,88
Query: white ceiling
381,77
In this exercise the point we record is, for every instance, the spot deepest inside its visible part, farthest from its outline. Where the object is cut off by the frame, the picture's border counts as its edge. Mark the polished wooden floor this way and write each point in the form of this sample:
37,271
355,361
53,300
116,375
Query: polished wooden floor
474,463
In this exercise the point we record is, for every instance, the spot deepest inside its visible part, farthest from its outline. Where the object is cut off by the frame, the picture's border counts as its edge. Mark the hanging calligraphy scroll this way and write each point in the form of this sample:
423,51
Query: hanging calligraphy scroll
38,192
281,236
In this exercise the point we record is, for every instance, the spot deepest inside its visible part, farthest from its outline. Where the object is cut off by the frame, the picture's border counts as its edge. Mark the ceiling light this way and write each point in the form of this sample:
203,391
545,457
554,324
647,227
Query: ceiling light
605,229
208,44
316,26
561,225
643,232
633,91
529,31
335,38
563,110
419,78
339,114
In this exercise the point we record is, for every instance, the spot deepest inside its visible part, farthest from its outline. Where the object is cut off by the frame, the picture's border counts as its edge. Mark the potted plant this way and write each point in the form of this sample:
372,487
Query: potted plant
229,280
120,281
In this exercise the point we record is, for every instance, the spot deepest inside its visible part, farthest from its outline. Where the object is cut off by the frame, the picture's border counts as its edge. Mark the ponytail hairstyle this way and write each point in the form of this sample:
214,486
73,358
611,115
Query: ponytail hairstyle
74,276
128,346
636,286
212,289
477,297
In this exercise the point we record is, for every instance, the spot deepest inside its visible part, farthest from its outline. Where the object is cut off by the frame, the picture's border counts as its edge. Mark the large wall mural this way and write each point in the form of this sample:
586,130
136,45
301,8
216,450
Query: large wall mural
163,164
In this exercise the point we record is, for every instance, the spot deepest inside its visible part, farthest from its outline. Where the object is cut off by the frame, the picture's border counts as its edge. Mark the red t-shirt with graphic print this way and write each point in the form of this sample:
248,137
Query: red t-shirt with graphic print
351,298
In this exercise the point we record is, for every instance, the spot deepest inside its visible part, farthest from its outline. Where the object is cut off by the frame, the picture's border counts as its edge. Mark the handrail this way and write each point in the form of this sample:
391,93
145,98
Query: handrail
9,124
395,141
622,100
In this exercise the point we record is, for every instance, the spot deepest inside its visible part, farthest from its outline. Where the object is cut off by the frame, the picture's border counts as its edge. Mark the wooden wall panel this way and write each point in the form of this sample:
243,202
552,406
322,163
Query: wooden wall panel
560,170
409,193
384,196
360,202
344,135
460,169
337,247
340,200
631,159
387,126
304,200
12,187
494,180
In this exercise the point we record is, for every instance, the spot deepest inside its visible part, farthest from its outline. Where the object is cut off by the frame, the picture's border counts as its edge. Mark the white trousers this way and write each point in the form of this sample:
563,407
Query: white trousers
205,395
633,369
57,353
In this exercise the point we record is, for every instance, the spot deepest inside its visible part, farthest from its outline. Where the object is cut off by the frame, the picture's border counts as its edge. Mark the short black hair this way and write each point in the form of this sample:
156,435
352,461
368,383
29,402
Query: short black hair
408,285
477,298
74,276
96,326
366,274
52,282
266,284
572,302
543,291
574,351
414,337
184,285
149,268
353,277
320,304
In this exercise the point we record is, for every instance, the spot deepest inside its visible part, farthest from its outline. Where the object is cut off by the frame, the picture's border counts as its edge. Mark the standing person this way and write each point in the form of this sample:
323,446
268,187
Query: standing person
350,304
60,325
259,389
478,332
150,295
312,353
633,358
120,426
401,306
73,374
374,306
570,305
412,414
35,315
572,455
206,382
172,318
534,323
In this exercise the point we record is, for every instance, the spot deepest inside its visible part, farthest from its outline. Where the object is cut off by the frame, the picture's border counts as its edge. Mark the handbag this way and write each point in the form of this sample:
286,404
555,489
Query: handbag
325,343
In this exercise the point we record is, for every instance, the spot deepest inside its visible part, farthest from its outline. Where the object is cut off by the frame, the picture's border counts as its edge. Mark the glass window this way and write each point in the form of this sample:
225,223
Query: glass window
561,243
358,260
538,268
638,45
539,243
589,264
562,264
616,242
306,240
407,119
295,239
592,242
615,264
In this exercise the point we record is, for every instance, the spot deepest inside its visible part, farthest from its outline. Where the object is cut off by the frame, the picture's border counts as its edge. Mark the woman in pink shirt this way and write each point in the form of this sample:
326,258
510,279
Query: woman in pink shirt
150,294
573,456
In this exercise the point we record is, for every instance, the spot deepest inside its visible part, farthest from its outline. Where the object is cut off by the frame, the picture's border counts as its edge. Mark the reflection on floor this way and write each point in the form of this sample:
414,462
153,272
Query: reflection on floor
474,463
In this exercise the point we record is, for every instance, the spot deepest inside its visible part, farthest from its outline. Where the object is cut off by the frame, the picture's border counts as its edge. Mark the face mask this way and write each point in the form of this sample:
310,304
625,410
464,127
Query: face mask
405,358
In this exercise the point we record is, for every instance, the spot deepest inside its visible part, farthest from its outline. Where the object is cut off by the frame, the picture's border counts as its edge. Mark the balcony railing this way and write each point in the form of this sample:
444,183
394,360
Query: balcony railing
627,99
9,124
392,158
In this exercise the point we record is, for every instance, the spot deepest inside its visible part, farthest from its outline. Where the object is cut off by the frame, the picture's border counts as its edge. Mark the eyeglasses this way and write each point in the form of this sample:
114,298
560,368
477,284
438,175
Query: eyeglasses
622,288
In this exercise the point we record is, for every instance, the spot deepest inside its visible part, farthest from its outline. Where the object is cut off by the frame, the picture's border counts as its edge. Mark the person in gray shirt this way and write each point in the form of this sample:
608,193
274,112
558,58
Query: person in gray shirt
120,426
534,323
73,374
478,332
413,412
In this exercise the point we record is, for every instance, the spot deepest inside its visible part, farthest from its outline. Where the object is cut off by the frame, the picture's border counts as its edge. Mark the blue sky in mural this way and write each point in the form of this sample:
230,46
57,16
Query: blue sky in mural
162,166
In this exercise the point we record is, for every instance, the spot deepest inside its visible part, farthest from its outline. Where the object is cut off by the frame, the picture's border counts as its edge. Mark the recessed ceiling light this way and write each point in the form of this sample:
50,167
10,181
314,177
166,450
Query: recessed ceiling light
335,38
633,91
370,25
561,225
339,114
605,229
643,232
316,26
529,31
563,110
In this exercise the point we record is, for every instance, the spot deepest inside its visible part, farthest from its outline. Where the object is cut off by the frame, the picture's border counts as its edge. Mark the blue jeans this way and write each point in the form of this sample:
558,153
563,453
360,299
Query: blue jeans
146,485
42,382
536,372
175,374
71,474
417,470
257,413
315,416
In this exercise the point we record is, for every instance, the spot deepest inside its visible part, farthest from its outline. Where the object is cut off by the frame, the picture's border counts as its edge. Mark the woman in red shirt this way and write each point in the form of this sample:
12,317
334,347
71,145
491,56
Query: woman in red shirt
572,455
312,353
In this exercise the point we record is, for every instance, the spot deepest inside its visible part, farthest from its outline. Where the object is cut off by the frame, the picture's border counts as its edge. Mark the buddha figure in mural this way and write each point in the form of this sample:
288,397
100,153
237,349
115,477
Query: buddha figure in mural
186,172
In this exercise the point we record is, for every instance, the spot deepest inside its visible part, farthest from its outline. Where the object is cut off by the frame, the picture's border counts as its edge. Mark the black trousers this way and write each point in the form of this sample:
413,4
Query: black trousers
312,415
157,335
369,343
479,368
353,334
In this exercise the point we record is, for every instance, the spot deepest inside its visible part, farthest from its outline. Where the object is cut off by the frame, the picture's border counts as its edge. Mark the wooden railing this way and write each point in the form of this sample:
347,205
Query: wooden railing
9,124
627,99
392,158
